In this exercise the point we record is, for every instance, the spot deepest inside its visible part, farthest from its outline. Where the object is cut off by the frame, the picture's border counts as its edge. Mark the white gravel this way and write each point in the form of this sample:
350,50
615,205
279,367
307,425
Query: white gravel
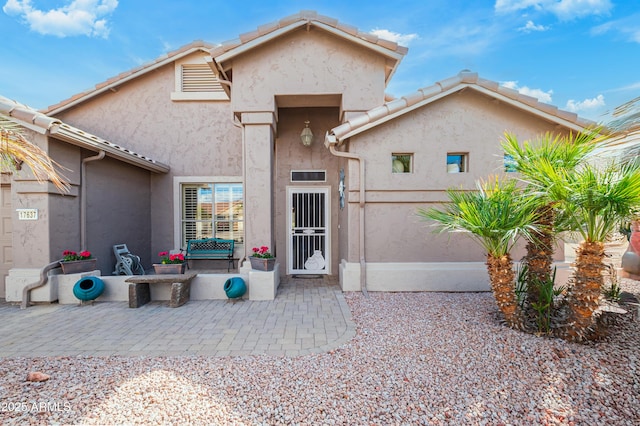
418,358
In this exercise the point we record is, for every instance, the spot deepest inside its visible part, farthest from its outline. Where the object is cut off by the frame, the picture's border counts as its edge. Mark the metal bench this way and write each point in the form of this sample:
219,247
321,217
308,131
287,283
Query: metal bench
210,249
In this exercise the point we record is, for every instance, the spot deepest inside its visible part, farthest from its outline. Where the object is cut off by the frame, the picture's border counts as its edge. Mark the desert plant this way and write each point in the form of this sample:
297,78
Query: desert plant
16,150
495,216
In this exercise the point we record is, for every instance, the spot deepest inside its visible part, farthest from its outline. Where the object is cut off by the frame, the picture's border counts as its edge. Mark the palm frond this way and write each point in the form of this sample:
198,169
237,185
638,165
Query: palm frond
16,150
495,215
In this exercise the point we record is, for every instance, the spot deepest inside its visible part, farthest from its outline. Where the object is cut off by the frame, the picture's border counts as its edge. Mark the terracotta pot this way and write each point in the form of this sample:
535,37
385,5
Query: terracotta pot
262,264
78,266
169,268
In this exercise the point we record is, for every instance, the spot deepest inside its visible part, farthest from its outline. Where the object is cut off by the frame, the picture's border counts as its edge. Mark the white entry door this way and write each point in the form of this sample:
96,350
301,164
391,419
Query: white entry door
308,242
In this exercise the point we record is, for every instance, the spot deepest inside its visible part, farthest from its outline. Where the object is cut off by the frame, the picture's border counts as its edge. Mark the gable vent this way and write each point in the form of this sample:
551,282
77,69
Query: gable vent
199,78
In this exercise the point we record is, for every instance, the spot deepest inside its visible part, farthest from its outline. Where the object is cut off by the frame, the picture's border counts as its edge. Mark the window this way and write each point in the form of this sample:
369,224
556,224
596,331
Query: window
401,163
212,211
196,81
457,163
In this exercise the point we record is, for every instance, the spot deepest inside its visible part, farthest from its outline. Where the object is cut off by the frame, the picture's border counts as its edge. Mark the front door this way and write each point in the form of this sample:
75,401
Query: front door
308,219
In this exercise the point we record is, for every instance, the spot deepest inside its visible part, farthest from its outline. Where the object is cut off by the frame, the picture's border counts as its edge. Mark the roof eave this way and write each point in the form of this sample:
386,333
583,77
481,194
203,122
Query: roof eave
496,95
101,88
242,48
79,138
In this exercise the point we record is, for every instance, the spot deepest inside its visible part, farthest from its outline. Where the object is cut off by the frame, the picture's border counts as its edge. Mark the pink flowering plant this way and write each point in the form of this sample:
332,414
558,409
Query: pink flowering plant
166,258
70,256
262,252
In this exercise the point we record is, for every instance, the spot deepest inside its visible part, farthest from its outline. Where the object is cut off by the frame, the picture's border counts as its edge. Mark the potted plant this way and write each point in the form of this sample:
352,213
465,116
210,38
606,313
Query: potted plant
74,263
170,263
262,259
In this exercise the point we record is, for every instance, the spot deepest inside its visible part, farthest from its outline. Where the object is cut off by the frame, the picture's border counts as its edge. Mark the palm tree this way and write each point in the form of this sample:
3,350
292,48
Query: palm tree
494,216
16,150
596,199
533,160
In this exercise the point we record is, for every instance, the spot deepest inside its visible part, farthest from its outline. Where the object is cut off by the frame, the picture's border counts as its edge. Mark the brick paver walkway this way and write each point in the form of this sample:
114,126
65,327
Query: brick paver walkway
309,315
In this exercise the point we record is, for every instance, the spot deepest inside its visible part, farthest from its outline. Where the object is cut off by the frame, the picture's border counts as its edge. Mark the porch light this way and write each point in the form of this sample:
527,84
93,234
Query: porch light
306,136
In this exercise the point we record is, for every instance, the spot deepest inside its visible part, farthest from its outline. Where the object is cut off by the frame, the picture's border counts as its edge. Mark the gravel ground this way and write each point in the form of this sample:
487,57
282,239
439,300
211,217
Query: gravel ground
418,358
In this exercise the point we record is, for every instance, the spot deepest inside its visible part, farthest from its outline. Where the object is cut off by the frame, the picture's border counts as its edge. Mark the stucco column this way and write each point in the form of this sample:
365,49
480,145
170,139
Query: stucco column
258,143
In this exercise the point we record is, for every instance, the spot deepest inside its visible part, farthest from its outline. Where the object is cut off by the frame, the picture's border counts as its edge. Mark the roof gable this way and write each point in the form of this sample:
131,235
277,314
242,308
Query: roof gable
126,76
224,53
463,80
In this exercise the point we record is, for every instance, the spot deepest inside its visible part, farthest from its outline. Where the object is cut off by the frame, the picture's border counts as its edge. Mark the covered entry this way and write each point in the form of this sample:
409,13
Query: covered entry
308,242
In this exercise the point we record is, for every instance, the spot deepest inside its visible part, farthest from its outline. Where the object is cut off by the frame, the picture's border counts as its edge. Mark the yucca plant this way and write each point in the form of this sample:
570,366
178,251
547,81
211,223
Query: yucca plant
16,150
495,216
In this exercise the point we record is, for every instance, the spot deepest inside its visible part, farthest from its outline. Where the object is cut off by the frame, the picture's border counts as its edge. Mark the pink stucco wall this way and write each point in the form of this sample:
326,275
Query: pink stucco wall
467,122
307,63
194,138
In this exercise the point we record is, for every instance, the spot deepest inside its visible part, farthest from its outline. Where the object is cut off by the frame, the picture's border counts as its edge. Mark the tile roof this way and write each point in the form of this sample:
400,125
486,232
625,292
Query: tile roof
39,122
307,17
129,75
465,79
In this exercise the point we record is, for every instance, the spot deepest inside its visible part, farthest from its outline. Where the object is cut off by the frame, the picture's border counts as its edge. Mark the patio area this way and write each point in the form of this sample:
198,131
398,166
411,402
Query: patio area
309,315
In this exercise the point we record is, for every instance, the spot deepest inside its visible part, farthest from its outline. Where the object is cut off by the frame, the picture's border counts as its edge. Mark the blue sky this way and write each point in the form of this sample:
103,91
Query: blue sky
579,55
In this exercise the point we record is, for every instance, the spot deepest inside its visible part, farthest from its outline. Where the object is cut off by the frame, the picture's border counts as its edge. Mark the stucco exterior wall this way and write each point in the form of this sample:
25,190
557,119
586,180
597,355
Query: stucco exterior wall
196,138
308,63
118,211
467,122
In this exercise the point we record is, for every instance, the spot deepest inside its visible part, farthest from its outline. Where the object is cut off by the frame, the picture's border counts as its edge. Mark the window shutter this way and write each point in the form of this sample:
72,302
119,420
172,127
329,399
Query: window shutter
199,78
190,211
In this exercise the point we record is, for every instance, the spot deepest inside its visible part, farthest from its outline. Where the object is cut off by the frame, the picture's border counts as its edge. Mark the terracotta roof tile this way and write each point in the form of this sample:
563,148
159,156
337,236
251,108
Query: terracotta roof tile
462,80
38,121
310,16
98,88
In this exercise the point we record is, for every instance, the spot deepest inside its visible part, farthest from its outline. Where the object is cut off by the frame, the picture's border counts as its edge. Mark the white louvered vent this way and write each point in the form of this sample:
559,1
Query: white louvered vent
199,78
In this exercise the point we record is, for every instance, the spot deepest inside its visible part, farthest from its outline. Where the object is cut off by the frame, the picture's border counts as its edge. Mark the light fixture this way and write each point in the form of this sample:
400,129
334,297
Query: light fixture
306,136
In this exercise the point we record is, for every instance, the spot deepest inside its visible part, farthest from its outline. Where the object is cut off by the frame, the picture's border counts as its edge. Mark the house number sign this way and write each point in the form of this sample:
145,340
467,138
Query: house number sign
27,214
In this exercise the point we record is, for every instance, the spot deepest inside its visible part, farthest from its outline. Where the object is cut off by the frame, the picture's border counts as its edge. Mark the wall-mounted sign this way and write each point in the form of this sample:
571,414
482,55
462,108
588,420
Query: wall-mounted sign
27,214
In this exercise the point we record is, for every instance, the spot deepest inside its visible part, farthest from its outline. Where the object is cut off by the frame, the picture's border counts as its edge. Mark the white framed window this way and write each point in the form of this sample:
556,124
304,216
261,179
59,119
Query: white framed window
457,162
210,210
194,80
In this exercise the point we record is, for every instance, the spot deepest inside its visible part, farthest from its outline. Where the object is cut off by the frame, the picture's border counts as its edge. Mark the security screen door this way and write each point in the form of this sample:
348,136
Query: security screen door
308,218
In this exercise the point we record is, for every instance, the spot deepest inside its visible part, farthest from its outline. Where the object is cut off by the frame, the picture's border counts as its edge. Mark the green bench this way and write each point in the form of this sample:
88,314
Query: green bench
210,249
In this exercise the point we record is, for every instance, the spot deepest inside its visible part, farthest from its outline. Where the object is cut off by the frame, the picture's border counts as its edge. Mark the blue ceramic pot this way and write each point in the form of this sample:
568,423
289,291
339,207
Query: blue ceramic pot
235,287
88,288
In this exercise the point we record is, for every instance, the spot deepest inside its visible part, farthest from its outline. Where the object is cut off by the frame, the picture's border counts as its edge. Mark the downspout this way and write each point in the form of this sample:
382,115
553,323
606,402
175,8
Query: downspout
83,198
44,278
352,156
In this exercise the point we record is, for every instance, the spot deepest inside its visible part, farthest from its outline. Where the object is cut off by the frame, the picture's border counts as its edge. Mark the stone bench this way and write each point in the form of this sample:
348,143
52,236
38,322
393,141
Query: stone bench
139,293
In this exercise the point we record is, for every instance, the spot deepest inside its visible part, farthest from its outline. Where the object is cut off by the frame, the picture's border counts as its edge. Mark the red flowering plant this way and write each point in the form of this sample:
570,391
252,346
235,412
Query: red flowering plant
262,252
70,256
167,258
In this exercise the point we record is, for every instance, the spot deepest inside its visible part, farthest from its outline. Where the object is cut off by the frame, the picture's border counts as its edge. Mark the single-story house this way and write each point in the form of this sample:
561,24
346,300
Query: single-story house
283,138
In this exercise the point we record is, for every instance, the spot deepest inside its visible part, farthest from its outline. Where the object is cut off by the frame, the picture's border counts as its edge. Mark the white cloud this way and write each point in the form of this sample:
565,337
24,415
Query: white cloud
401,39
628,28
78,17
586,105
539,94
563,9
530,26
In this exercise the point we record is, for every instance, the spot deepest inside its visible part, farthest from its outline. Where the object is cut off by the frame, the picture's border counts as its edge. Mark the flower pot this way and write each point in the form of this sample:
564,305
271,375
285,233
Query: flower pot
78,266
88,288
262,264
235,287
169,268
